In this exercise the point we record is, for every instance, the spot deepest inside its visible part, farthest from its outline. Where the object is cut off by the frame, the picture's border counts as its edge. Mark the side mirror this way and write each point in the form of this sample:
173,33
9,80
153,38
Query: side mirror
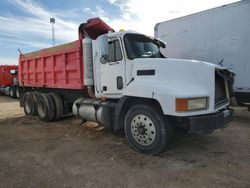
160,43
13,72
103,48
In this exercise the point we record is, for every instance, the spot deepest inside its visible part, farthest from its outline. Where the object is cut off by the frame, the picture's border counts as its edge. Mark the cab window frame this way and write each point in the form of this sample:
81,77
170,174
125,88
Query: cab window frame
115,45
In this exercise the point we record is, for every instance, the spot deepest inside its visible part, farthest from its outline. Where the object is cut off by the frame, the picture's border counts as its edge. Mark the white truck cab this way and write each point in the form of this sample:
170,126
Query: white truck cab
139,90
134,66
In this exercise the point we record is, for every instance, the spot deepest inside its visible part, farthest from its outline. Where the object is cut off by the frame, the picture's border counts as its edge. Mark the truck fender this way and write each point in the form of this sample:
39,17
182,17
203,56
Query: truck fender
119,113
123,106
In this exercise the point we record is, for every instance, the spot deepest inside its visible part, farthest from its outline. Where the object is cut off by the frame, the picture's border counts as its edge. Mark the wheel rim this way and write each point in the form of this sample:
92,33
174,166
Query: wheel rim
143,130
17,93
42,109
28,106
11,92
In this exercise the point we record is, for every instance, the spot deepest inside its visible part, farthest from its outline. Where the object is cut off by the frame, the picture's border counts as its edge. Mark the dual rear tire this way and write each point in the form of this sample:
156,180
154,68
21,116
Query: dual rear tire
45,107
58,106
13,92
48,106
29,103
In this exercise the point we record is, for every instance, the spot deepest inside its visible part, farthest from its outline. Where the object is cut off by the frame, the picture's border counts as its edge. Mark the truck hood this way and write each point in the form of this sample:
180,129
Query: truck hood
184,76
176,69
163,79
177,63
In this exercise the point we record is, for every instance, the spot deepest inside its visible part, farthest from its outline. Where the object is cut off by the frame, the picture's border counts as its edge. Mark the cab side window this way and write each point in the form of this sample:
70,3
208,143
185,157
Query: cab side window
115,53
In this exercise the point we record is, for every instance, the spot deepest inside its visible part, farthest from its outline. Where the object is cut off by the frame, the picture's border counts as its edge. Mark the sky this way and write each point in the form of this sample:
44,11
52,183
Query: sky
24,24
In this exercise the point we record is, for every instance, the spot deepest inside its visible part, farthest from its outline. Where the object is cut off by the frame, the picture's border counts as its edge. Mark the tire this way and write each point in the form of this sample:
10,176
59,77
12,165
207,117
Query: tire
45,107
35,97
7,90
12,92
29,104
146,130
17,92
58,105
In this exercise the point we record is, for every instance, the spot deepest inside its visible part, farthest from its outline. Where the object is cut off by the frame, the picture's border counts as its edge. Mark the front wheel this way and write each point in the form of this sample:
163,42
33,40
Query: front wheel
146,129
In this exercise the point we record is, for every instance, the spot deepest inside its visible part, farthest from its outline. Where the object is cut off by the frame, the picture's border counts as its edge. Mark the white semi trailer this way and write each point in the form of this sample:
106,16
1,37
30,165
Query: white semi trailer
220,35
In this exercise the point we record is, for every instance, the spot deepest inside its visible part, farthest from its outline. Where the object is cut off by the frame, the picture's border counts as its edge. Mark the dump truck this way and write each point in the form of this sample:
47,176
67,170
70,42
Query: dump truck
219,35
9,80
122,81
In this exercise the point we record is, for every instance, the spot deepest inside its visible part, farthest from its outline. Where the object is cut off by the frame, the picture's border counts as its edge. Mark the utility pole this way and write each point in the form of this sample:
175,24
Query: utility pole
53,21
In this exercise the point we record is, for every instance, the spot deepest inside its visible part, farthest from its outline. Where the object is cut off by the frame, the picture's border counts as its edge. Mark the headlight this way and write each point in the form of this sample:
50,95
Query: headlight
183,105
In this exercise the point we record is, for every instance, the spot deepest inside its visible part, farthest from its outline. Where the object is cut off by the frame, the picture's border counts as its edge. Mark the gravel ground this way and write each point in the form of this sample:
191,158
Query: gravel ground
68,153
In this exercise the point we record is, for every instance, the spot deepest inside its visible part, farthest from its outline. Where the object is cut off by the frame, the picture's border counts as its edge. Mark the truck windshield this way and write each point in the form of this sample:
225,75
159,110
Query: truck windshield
141,46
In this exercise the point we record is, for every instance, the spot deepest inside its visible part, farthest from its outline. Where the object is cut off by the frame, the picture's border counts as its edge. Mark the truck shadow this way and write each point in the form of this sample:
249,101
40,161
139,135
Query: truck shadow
242,115
199,141
182,144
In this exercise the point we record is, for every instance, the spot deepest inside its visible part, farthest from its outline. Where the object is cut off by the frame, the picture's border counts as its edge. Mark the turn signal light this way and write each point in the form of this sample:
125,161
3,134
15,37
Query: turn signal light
183,105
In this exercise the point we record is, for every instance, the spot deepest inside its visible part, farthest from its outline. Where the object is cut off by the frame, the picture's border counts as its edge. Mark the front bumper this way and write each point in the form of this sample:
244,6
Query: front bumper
208,123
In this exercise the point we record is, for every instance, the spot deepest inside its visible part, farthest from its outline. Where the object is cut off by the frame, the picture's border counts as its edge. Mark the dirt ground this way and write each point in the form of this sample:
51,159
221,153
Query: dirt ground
68,154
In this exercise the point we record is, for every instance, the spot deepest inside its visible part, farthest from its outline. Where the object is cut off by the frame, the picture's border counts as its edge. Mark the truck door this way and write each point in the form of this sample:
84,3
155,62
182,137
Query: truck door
112,72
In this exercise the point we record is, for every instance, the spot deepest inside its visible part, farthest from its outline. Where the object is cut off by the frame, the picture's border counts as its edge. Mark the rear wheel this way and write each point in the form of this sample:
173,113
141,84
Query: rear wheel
58,106
146,130
29,104
7,90
12,92
17,93
45,107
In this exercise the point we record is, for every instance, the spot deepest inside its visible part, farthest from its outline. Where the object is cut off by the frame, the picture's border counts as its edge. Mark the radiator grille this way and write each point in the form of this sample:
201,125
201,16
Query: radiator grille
220,90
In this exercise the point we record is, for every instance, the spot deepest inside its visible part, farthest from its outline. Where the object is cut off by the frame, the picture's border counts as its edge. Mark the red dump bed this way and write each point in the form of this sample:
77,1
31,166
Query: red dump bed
6,78
56,67
59,66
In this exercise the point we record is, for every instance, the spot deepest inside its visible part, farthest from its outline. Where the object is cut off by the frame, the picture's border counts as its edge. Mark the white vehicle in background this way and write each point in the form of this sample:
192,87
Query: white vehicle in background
220,35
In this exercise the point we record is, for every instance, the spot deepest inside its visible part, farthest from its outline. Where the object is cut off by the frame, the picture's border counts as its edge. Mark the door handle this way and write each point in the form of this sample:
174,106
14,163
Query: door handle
119,82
